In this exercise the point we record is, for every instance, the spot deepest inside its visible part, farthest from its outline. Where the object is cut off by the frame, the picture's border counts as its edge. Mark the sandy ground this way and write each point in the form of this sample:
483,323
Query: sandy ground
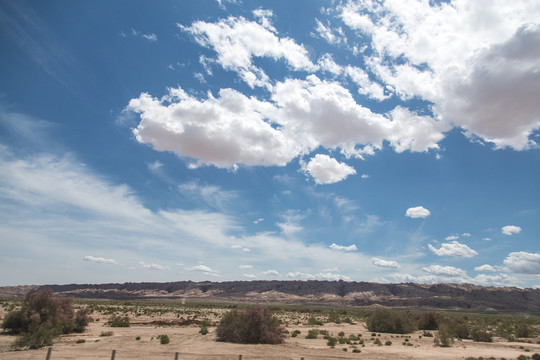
193,346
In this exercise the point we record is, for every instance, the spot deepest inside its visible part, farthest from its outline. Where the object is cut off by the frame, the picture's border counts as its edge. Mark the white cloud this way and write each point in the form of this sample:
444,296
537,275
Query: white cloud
327,170
466,235
487,239
485,77
150,37
523,262
485,267
510,230
343,248
235,129
384,263
319,276
270,273
100,260
452,237
258,220
417,212
245,267
237,40
153,266
496,280
365,176
331,35
445,271
453,248
249,276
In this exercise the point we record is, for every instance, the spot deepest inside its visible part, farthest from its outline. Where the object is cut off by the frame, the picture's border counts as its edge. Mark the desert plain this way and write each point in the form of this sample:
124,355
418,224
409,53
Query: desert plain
182,324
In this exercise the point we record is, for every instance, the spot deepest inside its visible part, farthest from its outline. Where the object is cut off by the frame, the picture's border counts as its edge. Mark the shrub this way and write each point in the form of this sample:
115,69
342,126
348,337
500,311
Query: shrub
204,327
312,334
295,333
428,321
80,341
42,318
522,331
388,343
138,338
106,333
387,321
164,339
119,321
332,341
255,325
377,342
535,356
481,335
313,321
444,337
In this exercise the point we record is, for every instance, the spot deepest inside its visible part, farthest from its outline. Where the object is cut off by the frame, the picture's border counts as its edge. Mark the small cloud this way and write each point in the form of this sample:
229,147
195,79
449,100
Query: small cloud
466,235
453,248
258,220
417,212
485,267
206,270
245,267
249,276
236,246
270,273
150,37
365,176
327,170
99,260
246,249
384,263
343,248
153,266
334,269
445,271
487,239
452,237
510,230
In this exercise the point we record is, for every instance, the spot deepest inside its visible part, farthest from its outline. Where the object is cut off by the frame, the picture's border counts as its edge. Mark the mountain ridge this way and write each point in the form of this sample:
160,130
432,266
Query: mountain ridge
316,292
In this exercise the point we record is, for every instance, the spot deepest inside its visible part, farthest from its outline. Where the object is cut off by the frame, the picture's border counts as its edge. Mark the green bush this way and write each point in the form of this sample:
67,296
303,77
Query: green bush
481,335
119,321
164,339
332,341
255,325
312,334
445,336
313,321
42,318
80,341
295,333
387,321
388,343
106,333
428,321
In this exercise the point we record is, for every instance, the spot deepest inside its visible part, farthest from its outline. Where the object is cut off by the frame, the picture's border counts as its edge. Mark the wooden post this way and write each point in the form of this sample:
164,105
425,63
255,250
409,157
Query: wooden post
176,356
49,351
239,357
113,354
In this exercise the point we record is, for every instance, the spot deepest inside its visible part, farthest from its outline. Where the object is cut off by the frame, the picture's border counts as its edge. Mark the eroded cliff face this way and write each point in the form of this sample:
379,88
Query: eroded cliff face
437,296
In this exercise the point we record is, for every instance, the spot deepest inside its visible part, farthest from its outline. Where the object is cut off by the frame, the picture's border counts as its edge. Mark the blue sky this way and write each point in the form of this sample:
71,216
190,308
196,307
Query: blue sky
387,141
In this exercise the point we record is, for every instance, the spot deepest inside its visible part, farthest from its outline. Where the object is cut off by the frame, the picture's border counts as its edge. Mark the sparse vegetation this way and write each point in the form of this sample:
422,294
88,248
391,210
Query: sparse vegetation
445,336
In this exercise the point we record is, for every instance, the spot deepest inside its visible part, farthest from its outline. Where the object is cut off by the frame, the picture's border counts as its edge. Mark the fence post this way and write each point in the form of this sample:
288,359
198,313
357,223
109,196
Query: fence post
239,357
49,351
176,356
113,354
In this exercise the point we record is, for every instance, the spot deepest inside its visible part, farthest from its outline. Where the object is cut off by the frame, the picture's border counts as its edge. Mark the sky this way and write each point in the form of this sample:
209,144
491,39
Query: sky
358,140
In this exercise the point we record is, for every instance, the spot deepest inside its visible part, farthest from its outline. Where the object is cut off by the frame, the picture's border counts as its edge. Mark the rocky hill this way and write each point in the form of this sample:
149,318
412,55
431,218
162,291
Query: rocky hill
406,295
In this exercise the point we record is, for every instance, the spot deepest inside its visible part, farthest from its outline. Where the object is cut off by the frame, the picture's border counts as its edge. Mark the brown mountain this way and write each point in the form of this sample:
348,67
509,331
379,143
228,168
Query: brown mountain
405,295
